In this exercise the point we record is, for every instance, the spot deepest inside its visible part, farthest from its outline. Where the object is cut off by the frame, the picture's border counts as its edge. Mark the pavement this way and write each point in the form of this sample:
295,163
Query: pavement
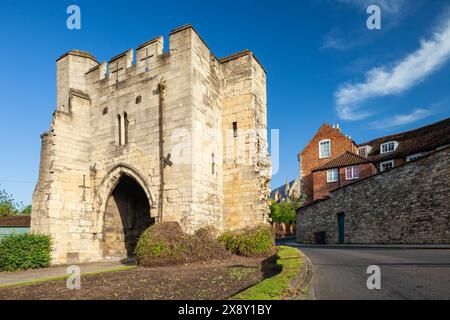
11,278
406,272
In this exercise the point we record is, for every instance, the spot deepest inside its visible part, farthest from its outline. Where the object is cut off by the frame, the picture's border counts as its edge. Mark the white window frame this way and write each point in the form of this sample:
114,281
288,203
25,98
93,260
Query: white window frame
385,162
365,151
394,143
321,156
353,175
330,175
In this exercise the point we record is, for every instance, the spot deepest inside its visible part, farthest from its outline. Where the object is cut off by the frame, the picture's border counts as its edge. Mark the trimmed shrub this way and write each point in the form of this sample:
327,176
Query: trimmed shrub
250,241
165,243
25,251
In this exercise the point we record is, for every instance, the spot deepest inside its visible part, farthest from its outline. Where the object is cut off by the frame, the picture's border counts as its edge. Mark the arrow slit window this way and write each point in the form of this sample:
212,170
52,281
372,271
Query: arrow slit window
119,130
125,127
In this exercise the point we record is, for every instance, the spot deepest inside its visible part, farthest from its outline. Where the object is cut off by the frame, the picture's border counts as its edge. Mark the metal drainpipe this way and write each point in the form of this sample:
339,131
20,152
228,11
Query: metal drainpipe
161,88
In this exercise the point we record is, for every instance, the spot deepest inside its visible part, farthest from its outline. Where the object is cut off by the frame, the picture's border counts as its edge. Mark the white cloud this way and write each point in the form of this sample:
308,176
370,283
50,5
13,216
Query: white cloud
403,119
342,41
395,79
333,40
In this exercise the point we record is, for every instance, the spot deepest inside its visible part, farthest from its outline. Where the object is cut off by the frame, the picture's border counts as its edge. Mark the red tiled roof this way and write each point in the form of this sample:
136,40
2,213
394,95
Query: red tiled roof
342,160
415,141
15,221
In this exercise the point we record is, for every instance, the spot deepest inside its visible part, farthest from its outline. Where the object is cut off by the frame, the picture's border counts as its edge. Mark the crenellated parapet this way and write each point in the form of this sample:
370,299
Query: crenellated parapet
147,56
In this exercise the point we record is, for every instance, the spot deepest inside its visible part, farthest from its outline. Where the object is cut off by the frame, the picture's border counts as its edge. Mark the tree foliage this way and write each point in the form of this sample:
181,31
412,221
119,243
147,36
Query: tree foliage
10,207
26,209
285,211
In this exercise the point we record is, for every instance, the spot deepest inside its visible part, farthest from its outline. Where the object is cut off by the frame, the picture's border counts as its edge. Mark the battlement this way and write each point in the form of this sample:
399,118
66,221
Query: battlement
149,55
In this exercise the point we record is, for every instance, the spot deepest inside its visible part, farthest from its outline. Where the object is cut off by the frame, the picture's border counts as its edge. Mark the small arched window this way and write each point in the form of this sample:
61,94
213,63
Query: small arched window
119,130
125,128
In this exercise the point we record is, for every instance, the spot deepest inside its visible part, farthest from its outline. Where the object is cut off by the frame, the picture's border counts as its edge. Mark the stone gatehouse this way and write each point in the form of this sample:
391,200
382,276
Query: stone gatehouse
408,204
152,135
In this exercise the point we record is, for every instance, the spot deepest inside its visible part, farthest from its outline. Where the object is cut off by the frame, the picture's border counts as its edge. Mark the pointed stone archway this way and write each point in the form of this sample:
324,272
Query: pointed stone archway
126,217
125,205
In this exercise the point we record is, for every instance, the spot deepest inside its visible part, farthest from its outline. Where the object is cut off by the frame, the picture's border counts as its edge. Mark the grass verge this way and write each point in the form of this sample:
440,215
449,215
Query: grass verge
56,278
277,287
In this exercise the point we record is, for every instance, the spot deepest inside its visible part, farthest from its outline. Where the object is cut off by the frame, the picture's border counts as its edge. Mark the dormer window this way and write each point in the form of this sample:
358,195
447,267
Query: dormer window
364,151
387,165
325,149
388,147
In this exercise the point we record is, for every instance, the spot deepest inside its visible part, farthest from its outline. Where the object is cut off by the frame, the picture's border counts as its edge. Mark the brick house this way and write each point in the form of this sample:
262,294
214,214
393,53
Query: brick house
343,169
332,159
328,143
394,150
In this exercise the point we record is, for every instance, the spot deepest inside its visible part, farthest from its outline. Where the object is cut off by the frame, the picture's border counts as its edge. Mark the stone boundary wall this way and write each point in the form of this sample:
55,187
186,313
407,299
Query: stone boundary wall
409,204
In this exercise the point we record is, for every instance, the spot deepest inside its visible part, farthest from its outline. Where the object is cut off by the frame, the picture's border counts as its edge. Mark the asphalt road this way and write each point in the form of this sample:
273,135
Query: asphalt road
340,273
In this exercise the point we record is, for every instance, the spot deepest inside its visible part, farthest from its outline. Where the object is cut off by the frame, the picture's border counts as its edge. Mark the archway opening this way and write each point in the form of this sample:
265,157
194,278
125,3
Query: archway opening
127,215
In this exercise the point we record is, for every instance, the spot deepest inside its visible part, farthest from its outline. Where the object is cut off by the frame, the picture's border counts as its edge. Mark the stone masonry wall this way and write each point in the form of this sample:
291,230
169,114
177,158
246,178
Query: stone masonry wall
409,204
82,160
246,168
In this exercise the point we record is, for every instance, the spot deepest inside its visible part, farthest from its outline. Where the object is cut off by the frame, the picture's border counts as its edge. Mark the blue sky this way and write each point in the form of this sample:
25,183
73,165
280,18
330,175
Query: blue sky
323,64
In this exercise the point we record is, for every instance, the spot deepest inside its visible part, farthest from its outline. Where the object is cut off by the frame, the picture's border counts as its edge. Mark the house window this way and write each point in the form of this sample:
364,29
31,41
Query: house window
386,165
324,149
352,173
415,156
332,175
362,152
388,147
235,129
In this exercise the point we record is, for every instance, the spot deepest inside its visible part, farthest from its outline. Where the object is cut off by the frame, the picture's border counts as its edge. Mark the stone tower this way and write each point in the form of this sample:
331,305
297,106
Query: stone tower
151,136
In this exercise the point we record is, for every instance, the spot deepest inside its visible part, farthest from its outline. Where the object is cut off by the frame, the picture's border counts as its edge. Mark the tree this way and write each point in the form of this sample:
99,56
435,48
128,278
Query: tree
285,211
26,210
282,212
8,206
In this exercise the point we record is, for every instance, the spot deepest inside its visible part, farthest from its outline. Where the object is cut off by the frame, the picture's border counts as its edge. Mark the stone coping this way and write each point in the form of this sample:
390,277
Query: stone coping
79,53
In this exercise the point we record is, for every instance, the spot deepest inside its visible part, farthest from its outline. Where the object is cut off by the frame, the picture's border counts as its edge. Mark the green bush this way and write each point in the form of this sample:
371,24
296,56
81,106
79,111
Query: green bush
165,243
24,251
249,242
